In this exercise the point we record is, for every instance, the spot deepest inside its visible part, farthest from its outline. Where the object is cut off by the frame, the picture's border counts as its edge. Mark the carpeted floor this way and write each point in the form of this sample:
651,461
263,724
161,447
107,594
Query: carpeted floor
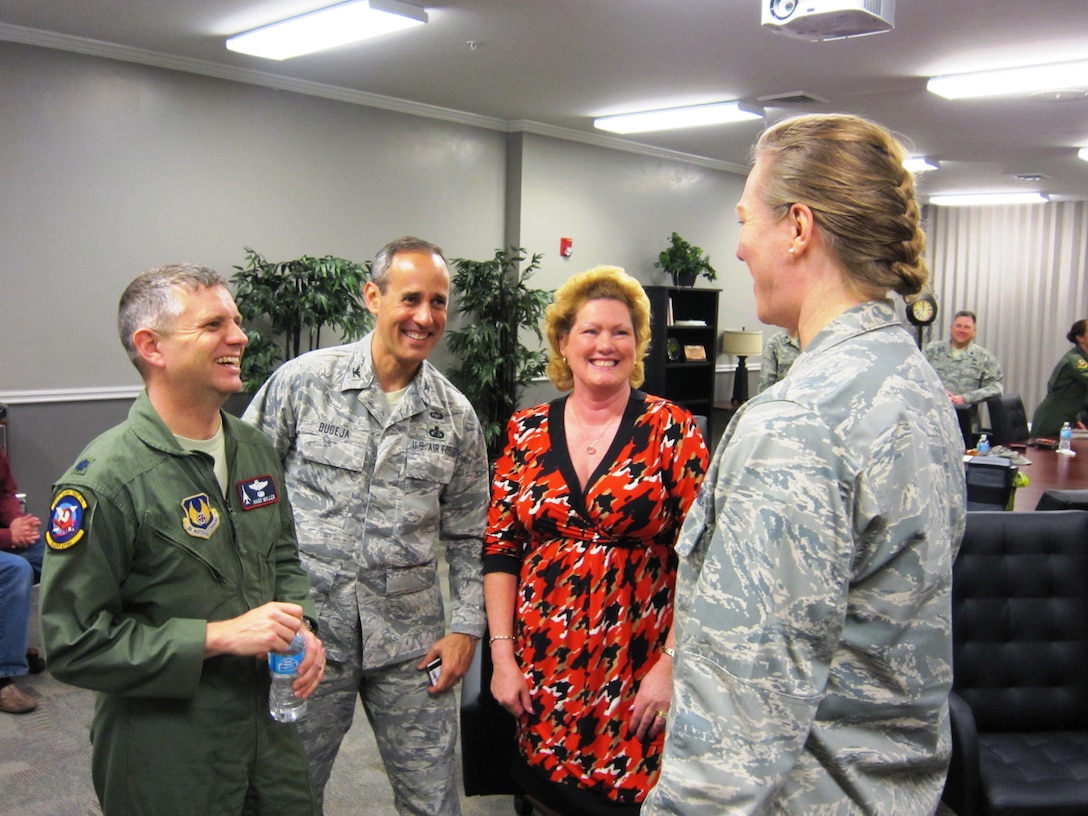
45,762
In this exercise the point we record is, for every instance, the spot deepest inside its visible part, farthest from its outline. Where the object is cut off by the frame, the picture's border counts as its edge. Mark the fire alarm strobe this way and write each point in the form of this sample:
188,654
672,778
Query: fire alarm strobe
828,19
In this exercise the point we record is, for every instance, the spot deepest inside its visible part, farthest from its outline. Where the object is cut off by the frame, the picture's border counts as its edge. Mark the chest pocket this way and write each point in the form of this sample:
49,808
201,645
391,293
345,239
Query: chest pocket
429,468
332,451
328,481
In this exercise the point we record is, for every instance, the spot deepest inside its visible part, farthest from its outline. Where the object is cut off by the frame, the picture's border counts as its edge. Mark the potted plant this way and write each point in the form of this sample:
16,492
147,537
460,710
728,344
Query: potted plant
495,367
285,304
685,262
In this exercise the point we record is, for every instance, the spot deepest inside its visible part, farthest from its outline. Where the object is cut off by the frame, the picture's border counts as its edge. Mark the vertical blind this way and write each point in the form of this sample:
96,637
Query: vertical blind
1024,271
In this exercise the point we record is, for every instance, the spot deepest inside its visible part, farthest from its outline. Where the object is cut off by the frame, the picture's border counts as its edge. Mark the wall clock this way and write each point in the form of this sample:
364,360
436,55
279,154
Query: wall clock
922,311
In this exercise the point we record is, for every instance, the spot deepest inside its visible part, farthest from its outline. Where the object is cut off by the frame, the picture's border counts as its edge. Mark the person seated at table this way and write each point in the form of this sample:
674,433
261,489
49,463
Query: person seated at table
1067,389
970,373
21,551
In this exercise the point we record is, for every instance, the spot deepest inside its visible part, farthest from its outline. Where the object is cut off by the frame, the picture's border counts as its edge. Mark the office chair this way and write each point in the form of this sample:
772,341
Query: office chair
1019,703
1008,419
990,483
1055,499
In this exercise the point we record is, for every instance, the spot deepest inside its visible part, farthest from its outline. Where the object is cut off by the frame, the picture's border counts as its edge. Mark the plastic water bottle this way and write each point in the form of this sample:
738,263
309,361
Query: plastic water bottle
1065,437
283,705
983,446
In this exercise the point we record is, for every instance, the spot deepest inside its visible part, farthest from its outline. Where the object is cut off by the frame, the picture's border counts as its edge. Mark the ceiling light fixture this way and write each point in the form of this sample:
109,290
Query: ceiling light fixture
919,164
1008,81
327,28
988,199
717,113
1083,153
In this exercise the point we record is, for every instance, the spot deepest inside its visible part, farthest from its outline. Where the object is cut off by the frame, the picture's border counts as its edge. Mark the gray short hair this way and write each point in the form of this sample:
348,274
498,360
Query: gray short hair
150,301
379,271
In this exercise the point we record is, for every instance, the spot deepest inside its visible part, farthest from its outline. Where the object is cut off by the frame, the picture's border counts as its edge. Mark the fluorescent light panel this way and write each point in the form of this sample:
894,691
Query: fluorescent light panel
327,28
1008,81
919,164
988,199
716,113
1083,153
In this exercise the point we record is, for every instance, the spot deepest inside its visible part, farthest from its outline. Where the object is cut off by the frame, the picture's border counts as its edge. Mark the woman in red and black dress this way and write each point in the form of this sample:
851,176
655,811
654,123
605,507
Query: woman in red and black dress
579,567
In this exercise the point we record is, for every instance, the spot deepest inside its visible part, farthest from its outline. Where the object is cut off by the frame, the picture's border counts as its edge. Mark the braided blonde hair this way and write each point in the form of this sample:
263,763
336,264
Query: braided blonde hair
849,172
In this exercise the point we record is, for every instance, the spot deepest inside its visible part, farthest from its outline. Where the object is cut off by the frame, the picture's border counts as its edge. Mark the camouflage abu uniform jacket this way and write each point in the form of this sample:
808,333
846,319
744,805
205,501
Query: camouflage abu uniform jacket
375,494
778,355
974,373
813,599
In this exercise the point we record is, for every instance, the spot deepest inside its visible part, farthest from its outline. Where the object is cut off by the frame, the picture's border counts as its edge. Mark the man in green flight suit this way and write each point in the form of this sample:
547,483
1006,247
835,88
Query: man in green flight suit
172,570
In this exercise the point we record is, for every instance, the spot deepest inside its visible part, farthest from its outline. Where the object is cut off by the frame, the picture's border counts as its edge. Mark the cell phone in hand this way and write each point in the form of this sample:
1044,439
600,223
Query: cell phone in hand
434,670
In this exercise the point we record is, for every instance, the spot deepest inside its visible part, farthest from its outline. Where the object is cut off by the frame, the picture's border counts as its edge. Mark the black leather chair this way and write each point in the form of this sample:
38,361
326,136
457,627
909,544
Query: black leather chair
1055,499
488,742
990,483
1008,419
1020,660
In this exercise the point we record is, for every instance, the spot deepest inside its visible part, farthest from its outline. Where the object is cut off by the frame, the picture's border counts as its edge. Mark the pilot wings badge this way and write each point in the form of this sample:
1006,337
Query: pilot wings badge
200,519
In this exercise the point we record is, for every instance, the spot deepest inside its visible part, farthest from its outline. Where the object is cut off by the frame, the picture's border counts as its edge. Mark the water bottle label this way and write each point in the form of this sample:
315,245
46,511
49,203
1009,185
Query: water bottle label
284,664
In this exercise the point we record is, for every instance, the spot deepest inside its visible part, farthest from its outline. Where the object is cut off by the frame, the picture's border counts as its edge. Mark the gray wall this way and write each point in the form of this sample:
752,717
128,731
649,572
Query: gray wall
108,168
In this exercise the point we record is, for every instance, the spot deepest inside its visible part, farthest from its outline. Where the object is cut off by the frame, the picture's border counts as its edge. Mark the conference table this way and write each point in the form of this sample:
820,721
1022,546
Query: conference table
1049,470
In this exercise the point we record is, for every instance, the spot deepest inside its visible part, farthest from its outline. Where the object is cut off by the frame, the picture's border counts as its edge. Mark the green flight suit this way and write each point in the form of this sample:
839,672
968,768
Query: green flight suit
1065,394
144,550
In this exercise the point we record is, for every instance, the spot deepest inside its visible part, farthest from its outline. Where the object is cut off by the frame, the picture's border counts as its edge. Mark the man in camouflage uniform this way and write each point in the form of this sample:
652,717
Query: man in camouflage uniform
386,465
778,355
970,373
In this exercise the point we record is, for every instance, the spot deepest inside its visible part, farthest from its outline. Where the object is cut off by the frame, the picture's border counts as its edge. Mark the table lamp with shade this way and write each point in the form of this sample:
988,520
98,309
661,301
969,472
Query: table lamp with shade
741,344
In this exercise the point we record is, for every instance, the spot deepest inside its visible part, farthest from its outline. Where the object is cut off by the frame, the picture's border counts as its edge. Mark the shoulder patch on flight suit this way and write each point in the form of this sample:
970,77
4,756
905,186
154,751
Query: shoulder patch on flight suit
1082,364
257,492
201,519
66,517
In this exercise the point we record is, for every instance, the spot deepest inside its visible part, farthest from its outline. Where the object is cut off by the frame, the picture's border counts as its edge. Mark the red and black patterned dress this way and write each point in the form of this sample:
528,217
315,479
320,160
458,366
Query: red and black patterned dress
596,575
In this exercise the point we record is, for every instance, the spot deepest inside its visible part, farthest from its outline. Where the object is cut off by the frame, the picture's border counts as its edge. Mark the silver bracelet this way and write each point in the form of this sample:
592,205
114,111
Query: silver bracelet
493,638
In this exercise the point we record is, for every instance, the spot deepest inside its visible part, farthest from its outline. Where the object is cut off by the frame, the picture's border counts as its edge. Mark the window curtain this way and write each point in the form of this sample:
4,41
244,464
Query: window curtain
1024,271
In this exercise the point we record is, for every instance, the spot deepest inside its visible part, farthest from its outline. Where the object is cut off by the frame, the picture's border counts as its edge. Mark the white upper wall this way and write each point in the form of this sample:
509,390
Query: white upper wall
109,168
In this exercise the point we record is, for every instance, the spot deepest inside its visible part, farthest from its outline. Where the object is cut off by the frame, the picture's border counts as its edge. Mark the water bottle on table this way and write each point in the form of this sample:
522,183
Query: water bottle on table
283,705
1065,440
983,446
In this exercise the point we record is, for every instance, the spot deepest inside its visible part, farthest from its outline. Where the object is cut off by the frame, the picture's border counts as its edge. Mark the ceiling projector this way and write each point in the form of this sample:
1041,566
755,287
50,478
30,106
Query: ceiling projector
828,19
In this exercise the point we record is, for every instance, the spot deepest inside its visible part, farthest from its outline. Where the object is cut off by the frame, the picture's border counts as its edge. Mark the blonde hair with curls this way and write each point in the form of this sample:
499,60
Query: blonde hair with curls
600,282
849,172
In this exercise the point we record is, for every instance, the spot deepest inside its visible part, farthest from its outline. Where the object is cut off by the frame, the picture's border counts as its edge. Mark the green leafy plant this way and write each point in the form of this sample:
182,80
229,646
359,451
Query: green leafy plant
685,262
495,367
286,304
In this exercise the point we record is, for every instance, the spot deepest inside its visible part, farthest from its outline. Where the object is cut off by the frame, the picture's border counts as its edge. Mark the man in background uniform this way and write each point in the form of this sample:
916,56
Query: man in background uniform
778,355
970,373
386,466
